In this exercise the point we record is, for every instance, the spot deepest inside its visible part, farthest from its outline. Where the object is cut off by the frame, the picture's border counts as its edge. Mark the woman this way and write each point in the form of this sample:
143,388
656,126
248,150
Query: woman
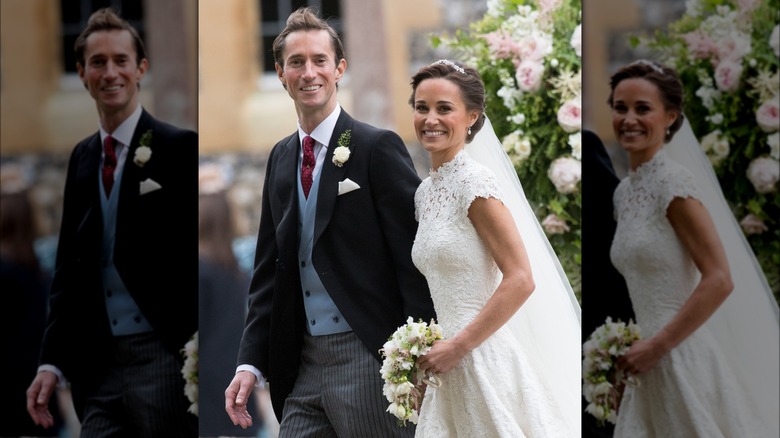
501,370
668,248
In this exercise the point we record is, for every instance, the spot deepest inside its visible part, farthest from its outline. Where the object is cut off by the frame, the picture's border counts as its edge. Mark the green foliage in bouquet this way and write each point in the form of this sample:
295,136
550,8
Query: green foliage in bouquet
727,55
528,55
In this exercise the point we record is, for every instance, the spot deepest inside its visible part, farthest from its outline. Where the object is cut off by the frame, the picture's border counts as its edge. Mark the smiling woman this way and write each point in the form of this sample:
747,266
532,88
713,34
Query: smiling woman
668,248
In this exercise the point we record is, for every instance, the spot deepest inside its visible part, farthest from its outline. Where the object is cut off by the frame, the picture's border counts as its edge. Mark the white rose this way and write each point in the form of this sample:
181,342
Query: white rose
576,40
763,173
773,140
575,141
753,225
720,150
716,119
142,155
768,114
565,173
570,115
340,155
774,40
554,225
709,140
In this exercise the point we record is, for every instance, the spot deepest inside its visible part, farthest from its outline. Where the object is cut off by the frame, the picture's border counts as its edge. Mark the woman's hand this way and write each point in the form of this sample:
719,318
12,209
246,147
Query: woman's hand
443,356
643,355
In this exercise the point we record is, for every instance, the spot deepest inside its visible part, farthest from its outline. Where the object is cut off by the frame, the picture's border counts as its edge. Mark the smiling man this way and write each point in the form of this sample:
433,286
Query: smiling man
333,274
127,257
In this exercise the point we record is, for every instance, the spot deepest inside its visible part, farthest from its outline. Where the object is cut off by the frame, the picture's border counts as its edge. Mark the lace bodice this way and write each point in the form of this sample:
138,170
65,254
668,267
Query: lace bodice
447,250
659,272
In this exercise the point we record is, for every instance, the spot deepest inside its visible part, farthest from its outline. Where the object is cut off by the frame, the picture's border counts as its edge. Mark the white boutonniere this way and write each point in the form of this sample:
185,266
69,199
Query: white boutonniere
341,154
144,153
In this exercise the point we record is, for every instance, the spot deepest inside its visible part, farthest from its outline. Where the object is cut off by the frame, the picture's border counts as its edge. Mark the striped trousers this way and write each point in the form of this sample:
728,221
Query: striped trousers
142,395
338,393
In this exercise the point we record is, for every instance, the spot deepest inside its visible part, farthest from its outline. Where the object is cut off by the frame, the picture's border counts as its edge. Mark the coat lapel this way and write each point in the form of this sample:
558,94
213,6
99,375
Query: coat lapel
90,173
330,177
132,174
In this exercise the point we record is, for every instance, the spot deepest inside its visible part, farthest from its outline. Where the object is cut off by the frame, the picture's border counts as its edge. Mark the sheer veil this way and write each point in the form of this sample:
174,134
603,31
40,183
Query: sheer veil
747,324
548,325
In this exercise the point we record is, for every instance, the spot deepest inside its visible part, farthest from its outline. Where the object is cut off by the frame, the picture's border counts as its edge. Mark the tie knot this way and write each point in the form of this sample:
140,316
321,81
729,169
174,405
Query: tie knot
108,144
308,142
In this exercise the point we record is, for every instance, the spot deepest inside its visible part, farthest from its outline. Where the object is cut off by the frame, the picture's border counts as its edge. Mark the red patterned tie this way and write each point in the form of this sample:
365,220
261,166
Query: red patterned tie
307,167
109,164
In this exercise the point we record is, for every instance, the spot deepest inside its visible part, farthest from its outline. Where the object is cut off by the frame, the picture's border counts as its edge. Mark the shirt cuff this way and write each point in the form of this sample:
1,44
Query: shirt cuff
61,382
260,380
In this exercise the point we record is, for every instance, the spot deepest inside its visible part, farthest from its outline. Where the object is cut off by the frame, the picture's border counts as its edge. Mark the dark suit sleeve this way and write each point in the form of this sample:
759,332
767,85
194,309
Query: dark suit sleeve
604,291
79,222
394,182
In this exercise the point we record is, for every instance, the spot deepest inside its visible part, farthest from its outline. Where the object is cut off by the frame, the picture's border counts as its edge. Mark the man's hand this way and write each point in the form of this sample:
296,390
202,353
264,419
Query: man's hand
38,395
236,396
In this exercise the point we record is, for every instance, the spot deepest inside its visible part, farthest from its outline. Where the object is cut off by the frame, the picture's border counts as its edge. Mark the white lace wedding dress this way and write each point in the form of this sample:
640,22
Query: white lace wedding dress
691,392
493,392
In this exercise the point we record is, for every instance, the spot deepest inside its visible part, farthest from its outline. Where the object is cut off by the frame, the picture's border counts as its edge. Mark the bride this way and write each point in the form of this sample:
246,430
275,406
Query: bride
707,365
509,364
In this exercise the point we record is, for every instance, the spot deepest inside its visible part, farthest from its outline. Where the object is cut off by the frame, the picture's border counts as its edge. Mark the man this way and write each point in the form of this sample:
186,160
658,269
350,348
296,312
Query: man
124,295
604,291
333,273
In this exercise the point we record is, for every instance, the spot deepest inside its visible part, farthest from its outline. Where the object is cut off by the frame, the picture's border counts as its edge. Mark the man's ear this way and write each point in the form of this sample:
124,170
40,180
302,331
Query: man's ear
280,74
81,71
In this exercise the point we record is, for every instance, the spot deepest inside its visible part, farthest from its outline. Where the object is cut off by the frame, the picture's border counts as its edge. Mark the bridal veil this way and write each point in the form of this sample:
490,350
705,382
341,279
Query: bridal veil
548,324
747,323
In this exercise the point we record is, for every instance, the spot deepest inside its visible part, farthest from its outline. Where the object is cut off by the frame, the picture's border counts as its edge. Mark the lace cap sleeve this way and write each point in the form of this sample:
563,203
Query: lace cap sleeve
677,182
479,183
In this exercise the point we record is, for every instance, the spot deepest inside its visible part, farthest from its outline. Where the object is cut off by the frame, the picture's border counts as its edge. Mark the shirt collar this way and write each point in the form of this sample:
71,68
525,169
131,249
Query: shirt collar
124,132
324,131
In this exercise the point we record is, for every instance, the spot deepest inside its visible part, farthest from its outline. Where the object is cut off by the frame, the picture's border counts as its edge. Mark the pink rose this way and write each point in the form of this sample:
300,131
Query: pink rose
763,173
570,115
554,225
699,44
565,174
534,48
549,5
733,47
768,115
502,45
747,6
529,75
751,224
727,75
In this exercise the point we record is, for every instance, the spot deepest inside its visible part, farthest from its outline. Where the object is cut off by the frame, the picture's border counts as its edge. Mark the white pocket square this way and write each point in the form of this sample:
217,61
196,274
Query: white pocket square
347,186
149,185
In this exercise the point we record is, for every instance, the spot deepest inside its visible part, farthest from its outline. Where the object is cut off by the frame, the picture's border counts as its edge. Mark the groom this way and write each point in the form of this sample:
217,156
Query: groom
127,256
333,274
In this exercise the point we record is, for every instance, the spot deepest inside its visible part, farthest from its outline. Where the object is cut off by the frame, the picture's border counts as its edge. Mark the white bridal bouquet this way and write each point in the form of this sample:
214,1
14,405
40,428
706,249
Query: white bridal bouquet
190,372
403,379
604,383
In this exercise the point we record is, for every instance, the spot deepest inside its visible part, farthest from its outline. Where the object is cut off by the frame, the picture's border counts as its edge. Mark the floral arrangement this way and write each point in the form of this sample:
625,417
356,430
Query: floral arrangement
727,54
603,383
190,372
143,153
403,379
341,153
528,54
